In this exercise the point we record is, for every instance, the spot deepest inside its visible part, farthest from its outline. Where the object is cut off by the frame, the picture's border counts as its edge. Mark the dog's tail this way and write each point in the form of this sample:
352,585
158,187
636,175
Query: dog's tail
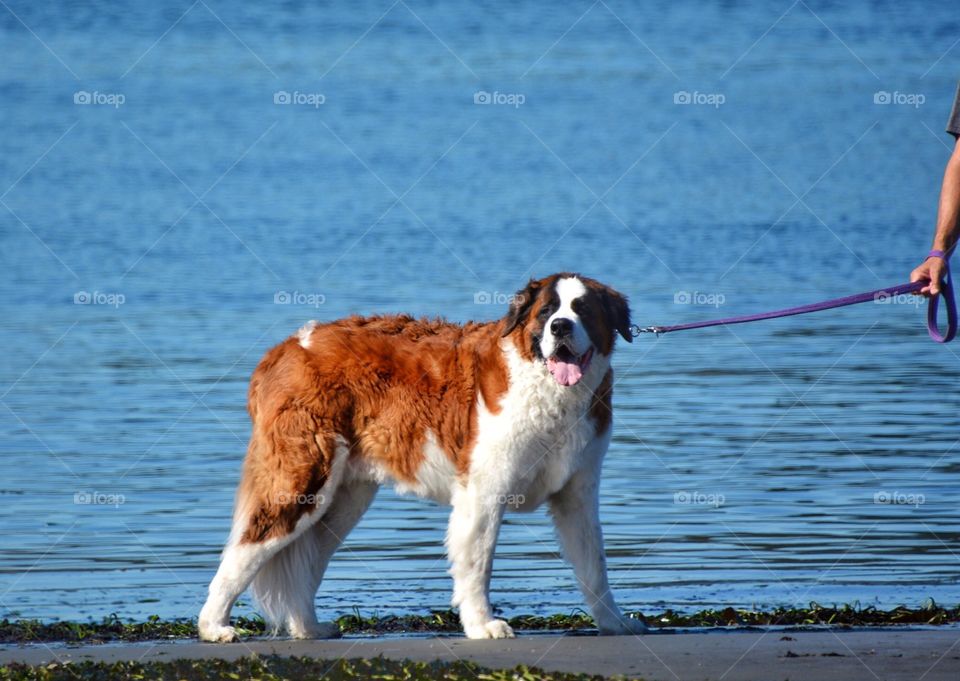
286,585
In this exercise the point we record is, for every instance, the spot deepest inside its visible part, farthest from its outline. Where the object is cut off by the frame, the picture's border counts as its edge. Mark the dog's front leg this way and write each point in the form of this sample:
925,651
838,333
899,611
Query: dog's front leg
471,540
576,515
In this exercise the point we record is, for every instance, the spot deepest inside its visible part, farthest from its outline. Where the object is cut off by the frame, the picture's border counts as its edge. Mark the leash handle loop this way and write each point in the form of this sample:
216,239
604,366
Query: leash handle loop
946,290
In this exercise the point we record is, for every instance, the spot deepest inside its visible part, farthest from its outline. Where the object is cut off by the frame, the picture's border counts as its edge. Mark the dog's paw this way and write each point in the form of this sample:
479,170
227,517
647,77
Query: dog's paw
624,626
214,633
491,629
499,629
316,630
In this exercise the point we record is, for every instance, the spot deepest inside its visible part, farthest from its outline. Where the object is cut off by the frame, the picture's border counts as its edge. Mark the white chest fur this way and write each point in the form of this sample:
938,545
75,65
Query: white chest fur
536,441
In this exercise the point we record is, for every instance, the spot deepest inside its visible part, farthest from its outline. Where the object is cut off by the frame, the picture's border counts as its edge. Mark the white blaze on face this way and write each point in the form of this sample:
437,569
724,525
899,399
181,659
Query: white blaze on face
567,364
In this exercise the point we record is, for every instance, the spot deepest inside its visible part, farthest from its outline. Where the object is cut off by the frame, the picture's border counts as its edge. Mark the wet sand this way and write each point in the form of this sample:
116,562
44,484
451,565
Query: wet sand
878,654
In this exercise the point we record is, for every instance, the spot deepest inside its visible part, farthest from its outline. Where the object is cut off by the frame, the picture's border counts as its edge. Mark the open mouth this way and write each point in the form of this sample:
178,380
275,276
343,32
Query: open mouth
567,368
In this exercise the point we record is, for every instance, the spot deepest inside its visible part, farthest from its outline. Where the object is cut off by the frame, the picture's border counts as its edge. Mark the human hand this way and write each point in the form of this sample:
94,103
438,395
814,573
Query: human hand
932,270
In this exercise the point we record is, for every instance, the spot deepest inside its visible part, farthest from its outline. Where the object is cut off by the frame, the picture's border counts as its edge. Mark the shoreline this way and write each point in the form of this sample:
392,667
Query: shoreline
841,643
902,654
114,629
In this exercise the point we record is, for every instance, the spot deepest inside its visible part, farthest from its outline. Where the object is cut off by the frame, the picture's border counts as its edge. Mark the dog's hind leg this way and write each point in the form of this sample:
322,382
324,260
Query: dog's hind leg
286,586
238,565
288,482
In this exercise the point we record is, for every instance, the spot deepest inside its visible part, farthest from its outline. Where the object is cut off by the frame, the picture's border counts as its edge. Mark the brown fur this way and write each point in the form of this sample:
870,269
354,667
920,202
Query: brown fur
381,383
601,407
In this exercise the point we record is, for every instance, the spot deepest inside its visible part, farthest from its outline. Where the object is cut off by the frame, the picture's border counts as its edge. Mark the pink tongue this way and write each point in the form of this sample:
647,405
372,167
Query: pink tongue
565,373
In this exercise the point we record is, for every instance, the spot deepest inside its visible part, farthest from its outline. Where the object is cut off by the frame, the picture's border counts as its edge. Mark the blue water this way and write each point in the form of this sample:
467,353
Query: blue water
200,201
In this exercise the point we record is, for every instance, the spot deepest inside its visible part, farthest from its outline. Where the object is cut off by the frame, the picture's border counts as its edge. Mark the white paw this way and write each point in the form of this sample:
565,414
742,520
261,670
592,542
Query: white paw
491,629
214,633
316,630
624,626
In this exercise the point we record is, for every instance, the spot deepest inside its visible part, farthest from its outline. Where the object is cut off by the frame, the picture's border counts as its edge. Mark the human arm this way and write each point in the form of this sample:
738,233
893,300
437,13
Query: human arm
934,268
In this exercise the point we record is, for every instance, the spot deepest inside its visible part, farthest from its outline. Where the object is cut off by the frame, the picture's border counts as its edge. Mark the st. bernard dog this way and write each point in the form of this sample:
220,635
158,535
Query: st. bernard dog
469,415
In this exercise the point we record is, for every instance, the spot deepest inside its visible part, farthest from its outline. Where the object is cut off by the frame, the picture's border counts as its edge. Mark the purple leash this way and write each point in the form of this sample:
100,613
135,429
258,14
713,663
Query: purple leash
879,295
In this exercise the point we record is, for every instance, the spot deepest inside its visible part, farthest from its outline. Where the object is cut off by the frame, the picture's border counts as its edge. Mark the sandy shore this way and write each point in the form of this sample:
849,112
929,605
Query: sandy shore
884,654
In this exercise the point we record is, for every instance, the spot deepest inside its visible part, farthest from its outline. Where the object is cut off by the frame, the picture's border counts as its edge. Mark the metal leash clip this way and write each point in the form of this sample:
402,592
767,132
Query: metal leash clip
637,330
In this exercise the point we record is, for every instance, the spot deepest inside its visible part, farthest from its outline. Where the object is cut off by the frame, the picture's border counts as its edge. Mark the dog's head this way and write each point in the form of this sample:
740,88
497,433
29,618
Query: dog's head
565,320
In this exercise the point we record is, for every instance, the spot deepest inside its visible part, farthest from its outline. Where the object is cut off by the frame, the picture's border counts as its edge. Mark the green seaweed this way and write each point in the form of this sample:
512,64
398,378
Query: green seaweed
275,668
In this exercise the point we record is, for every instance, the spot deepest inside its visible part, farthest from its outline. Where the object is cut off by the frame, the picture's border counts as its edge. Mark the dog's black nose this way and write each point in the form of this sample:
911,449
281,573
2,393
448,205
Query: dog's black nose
561,327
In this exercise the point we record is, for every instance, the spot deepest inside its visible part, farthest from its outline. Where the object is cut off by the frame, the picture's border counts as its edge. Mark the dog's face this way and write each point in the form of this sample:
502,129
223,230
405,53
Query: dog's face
565,320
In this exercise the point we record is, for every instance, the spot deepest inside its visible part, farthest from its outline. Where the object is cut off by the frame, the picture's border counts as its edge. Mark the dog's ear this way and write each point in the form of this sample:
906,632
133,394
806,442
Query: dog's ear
618,312
520,306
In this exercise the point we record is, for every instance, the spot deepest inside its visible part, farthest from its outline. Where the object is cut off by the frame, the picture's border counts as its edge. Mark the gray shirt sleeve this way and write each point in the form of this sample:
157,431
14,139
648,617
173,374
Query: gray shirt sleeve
953,123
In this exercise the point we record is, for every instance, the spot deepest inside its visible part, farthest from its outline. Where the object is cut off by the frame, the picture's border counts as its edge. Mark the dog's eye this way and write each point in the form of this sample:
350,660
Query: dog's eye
545,312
